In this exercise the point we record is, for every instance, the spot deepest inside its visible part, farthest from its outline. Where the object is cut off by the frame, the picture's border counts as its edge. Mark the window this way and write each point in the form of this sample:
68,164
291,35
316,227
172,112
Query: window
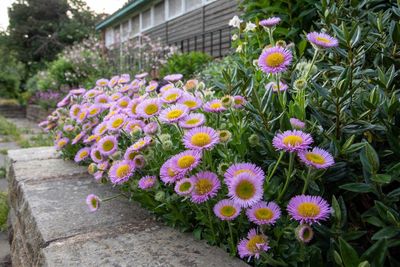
125,31
117,34
192,4
109,37
146,19
135,25
174,8
159,13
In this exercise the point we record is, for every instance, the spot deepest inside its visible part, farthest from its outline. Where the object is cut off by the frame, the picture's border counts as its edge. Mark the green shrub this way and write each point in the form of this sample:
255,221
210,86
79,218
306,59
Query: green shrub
186,64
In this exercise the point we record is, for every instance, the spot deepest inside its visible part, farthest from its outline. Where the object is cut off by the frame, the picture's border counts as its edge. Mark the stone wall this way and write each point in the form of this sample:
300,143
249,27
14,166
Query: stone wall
12,111
36,113
50,224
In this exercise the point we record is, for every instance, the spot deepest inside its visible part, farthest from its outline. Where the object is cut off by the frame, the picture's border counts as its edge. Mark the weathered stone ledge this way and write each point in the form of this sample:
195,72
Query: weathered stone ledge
51,225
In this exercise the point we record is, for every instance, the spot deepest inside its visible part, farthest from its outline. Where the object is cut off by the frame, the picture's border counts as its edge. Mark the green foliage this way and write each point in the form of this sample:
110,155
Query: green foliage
3,211
186,64
211,73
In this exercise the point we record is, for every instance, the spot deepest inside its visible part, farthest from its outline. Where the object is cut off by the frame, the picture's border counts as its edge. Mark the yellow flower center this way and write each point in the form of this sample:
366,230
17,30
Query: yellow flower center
93,111
76,111
185,186
92,94
62,143
172,97
190,103
243,171
83,154
203,186
131,155
201,139
139,144
308,209
102,129
238,101
82,115
174,114
186,161
97,155
117,122
151,88
324,40
216,105
115,97
150,109
264,214
122,171
108,145
315,158
94,202
245,190
254,241
274,59
292,140
171,172
103,100
123,104
228,211
166,88
192,121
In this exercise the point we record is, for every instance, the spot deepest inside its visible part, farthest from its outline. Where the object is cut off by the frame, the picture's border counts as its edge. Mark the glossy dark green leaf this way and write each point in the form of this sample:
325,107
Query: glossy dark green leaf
357,187
349,254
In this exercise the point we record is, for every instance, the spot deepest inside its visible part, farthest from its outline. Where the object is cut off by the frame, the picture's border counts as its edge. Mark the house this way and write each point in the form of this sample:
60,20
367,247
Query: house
190,25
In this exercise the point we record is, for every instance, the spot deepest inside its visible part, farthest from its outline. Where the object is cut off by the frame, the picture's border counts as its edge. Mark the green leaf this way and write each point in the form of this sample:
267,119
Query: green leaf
349,255
382,178
336,210
387,232
357,187
376,253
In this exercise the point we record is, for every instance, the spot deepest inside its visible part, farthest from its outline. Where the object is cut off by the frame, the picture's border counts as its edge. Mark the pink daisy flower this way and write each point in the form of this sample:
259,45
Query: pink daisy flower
151,128
173,77
173,113
92,93
61,143
93,202
74,111
270,22
139,161
214,106
186,160
304,233
201,138
184,187
322,40
275,59
93,110
317,158
141,143
108,145
147,182
206,185
166,87
190,101
123,102
116,122
292,141
131,108
102,99
78,137
149,108
96,155
100,129
227,210
172,95
273,86
102,82
308,209
82,154
168,174
141,75
192,120
152,87
253,245
239,101
245,190
297,124
121,171
264,213
113,82
236,169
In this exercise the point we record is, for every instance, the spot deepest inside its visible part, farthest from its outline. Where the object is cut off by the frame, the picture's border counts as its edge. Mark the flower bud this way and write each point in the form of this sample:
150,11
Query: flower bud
167,145
116,155
254,140
201,86
227,101
300,84
225,136
140,161
164,137
281,43
304,233
159,196
222,168
92,168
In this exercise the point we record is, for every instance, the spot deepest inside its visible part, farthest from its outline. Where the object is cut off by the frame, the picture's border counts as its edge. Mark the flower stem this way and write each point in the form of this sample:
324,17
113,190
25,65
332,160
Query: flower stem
271,37
306,181
312,64
233,248
210,222
275,167
289,174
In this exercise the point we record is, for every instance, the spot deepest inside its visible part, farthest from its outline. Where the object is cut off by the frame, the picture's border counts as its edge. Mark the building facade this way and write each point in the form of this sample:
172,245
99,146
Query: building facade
190,25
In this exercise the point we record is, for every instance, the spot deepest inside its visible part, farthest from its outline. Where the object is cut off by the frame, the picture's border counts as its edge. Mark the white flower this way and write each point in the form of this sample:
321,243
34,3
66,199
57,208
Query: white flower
234,37
250,26
235,22
239,49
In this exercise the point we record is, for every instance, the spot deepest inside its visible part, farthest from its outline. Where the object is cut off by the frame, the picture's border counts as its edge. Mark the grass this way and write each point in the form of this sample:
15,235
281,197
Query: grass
3,211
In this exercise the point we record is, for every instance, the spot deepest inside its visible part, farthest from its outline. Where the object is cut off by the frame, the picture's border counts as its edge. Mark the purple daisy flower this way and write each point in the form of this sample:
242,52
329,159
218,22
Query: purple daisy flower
116,96
166,87
168,174
253,245
236,169
102,82
96,155
130,126
61,143
308,209
186,160
113,82
74,111
174,113
140,161
82,116
108,145
116,122
173,77
102,99
124,79
79,91
82,154
275,59
68,128
148,108
64,102
317,158
172,95
274,87
147,182
201,138
322,40
270,22
141,143
125,88
93,202
227,210
131,108
214,106
184,187
100,129
151,87
206,185
245,189
192,120
93,110
123,102
141,75
297,124
130,154
264,213
151,128
190,101
304,233
78,137
121,171
92,93
292,141
239,101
